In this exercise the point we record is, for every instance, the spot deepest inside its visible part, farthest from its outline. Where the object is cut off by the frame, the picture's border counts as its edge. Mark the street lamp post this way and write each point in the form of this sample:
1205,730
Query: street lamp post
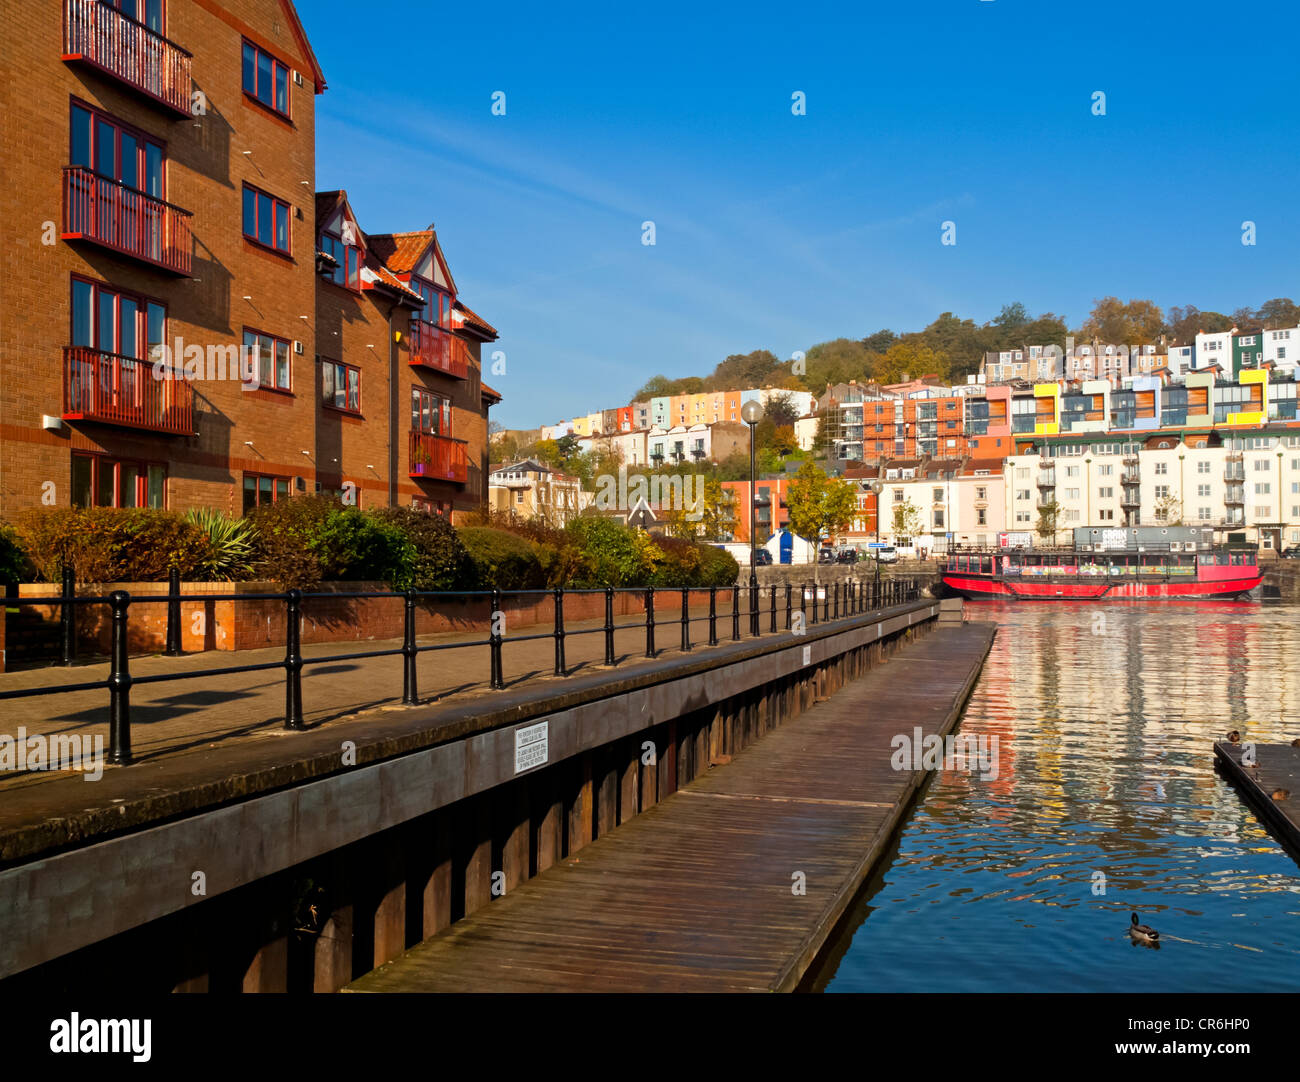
751,413
877,487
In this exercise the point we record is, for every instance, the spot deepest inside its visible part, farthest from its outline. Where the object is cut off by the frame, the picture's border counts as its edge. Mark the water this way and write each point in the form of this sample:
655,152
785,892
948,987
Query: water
1104,717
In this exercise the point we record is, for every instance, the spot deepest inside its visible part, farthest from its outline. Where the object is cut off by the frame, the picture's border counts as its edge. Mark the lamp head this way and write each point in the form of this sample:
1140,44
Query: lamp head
752,412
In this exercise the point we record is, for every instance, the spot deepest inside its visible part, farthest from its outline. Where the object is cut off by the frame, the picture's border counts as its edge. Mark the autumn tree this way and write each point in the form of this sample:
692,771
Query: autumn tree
1137,322
819,504
912,360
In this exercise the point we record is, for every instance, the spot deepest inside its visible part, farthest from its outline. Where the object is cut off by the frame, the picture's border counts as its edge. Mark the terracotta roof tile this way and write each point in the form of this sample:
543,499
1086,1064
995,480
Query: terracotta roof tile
489,393
467,315
401,251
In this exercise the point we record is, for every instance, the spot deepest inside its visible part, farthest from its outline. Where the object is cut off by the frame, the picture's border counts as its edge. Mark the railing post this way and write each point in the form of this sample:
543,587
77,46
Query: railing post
173,648
788,606
735,613
649,621
773,589
826,604
686,617
816,604
494,641
753,607
68,615
803,604
837,601
558,594
609,625
293,661
713,616
119,683
410,692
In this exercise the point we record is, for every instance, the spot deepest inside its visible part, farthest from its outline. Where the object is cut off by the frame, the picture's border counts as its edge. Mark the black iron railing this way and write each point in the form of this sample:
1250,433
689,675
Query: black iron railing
842,600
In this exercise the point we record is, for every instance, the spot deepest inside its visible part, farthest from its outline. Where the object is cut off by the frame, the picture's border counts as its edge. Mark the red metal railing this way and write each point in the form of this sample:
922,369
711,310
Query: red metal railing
438,458
433,347
128,221
117,390
120,45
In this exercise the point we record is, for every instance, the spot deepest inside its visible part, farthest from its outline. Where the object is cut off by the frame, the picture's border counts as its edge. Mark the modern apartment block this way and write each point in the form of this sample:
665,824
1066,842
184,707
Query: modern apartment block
186,323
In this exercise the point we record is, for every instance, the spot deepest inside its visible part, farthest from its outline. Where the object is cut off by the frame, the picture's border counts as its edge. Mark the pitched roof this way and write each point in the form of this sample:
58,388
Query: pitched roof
473,321
295,24
487,392
401,251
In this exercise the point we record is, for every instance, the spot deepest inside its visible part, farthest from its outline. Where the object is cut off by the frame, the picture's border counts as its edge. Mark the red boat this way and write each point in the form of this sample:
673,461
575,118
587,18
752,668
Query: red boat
1125,565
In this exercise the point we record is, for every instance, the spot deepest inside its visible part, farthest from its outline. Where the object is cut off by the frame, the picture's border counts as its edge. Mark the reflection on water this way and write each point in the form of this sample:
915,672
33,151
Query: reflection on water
1104,718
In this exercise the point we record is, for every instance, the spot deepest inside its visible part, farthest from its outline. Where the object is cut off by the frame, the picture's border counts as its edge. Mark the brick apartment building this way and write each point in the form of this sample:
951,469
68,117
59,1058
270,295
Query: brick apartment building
162,219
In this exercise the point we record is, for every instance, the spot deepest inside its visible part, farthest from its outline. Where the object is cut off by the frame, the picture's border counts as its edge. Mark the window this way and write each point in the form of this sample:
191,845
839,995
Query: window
100,481
1202,467
347,256
1202,490
266,219
1105,515
432,507
1162,467
119,153
1106,492
1261,464
981,516
1203,513
981,493
1261,488
109,320
260,489
266,78
273,369
431,414
341,386
1105,471
1162,492
938,495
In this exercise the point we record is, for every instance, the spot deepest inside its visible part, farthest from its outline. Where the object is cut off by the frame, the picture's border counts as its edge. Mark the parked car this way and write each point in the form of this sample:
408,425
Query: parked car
762,558
887,555
1293,553
826,556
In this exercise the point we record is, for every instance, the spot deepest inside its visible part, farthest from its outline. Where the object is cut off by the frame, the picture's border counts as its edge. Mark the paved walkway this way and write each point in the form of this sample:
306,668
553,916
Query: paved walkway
176,716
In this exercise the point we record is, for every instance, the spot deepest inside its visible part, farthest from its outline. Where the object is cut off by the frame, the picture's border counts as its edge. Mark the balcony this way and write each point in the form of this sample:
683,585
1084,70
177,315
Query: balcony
438,458
1131,497
1235,497
1046,478
433,347
103,37
117,390
108,213
1131,477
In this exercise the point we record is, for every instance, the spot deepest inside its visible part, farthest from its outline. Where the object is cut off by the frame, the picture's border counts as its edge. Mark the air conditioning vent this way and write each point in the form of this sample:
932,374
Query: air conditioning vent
297,78
297,348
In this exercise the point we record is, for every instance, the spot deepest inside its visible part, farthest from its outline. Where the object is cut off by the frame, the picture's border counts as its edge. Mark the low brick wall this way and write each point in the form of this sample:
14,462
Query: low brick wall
260,622
3,621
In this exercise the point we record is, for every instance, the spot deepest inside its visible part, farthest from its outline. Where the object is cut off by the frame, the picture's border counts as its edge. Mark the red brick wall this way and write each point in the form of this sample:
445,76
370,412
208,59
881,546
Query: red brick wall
207,165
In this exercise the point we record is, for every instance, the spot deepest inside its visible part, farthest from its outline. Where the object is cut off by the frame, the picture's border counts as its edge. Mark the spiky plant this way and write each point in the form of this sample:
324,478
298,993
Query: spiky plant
232,544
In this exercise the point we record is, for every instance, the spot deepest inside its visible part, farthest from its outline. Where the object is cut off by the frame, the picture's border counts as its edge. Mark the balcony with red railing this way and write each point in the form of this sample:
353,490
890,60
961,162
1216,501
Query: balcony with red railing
99,34
117,390
109,213
438,458
434,347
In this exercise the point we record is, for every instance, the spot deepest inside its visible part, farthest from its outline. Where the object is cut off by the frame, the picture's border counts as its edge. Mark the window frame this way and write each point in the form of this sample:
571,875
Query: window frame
258,478
143,140
354,283
275,339
418,413
98,459
275,62
276,204
348,397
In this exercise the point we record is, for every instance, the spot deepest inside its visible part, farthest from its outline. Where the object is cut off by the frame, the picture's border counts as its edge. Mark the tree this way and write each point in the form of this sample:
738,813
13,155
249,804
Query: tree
654,387
1048,515
838,361
1012,317
880,341
907,520
819,504
743,370
1114,322
1243,318
781,409
716,508
912,360
1279,312
1186,322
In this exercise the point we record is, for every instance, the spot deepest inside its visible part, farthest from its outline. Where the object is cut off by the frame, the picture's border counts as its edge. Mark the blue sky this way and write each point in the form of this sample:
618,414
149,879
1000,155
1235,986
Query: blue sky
778,231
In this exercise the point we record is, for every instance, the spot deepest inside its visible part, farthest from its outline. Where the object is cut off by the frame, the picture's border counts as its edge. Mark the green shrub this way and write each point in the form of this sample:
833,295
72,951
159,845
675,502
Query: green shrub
351,544
113,544
283,535
502,560
717,567
678,565
232,545
436,558
14,565
610,554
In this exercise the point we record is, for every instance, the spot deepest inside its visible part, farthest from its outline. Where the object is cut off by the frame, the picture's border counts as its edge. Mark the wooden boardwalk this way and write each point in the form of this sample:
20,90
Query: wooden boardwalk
1271,786
699,892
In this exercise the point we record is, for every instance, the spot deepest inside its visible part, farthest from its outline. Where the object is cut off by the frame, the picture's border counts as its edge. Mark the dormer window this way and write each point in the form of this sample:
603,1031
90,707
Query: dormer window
347,258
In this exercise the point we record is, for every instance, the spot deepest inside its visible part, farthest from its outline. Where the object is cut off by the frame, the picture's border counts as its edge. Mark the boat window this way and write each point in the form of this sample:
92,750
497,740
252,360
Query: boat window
1250,558
1207,558
1236,559
986,564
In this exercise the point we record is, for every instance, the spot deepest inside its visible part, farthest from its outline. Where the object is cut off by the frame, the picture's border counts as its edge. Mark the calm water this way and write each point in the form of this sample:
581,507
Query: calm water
1105,765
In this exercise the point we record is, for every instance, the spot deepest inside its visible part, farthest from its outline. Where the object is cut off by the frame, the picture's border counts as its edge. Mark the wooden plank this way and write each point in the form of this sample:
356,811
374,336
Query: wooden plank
1271,785
698,893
